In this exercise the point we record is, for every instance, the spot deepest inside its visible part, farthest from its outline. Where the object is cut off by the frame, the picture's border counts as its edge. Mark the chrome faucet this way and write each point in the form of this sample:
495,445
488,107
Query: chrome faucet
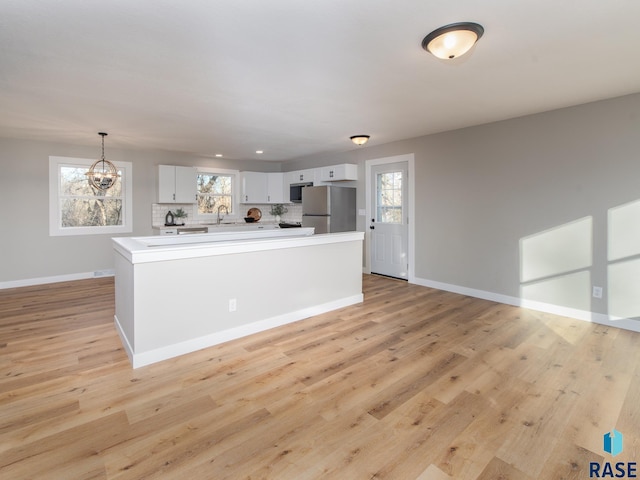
219,207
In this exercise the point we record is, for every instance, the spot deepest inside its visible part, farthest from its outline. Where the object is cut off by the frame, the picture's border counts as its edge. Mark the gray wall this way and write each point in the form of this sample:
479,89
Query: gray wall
28,252
480,190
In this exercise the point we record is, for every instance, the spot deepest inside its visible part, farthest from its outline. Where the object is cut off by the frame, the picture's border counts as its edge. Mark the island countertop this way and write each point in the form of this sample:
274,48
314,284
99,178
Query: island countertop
160,248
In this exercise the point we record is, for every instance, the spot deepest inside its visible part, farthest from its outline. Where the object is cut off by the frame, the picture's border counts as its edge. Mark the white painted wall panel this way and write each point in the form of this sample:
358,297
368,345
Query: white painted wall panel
181,301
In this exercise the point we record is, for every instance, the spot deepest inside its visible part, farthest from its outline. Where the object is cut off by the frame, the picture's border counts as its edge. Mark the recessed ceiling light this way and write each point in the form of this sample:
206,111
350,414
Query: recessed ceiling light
259,151
218,154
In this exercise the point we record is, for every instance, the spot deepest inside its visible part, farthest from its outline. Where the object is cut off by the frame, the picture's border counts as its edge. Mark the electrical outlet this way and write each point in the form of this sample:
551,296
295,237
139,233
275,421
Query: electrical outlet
597,292
233,304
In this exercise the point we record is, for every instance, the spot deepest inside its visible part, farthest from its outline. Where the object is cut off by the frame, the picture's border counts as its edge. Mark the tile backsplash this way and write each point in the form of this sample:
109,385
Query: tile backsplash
160,210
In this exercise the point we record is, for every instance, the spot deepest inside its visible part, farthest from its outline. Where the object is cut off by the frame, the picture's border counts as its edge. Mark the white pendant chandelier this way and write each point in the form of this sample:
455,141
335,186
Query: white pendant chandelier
103,174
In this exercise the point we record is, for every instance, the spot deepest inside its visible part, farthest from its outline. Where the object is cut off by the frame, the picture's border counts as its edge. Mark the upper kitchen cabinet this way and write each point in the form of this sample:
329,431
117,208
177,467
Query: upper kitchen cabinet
301,176
275,187
296,177
339,173
176,184
260,187
254,187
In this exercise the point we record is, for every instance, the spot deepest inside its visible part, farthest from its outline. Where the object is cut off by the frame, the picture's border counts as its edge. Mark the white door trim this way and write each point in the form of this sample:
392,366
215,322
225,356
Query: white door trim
410,159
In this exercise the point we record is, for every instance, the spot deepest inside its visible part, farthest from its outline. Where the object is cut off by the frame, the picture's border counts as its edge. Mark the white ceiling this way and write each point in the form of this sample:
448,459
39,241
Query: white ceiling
297,77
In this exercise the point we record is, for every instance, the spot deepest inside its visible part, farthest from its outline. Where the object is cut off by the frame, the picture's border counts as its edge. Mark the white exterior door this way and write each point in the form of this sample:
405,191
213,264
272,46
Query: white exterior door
389,220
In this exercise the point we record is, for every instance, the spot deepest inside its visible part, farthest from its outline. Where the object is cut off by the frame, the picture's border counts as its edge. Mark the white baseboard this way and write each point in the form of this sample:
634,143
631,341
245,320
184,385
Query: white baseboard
123,338
28,282
152,356
584,315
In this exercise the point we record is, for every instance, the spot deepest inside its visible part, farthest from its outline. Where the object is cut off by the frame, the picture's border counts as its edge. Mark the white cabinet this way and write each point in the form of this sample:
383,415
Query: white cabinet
339,173
289,178
167,231
176,184
275,187
254,187
301,176
310,175
260,187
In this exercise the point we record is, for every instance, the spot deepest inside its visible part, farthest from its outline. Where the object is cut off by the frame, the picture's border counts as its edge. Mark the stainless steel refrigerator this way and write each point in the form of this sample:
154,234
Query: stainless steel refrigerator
329,209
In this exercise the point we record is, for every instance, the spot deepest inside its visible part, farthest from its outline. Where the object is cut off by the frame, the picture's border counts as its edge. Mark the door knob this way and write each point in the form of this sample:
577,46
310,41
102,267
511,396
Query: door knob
372,227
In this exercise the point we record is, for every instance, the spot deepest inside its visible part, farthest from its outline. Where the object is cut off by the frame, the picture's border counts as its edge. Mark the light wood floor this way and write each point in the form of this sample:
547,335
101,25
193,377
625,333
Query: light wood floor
414,383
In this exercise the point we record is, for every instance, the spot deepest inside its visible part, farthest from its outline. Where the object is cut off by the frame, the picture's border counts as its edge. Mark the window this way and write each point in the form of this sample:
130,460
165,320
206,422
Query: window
389,197
77,208
216,190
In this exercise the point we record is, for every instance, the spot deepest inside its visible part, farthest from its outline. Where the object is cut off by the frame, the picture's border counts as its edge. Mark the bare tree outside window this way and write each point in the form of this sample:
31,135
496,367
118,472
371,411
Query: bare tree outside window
77,208
213,191
82,205
389,201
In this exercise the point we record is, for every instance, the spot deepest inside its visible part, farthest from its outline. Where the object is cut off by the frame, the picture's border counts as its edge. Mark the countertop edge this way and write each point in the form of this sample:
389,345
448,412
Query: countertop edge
130,249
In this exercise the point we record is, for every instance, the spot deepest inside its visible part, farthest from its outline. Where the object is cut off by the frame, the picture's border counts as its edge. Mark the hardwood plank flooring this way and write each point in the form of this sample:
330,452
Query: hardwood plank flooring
414,383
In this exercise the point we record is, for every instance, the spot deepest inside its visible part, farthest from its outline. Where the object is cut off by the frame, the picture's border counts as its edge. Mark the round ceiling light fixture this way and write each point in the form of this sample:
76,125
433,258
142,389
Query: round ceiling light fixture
360,139
454,40
103,174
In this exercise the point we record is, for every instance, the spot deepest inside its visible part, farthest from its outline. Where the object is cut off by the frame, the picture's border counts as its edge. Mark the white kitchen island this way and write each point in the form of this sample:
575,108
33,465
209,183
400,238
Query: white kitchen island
179,294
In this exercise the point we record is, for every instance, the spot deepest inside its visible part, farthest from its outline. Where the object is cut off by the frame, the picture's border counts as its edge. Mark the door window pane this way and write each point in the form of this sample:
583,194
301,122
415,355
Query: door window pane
389,197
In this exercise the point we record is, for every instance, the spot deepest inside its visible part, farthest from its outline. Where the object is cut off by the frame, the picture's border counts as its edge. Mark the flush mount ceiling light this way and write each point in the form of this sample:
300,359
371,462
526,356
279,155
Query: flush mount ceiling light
360,139
103,174
452,40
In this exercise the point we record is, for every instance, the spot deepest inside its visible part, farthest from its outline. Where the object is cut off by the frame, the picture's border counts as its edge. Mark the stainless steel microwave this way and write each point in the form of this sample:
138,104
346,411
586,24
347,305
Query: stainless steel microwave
295,191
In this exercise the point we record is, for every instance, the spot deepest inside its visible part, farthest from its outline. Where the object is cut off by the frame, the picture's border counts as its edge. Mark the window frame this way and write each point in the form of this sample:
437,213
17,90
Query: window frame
235,192
55,213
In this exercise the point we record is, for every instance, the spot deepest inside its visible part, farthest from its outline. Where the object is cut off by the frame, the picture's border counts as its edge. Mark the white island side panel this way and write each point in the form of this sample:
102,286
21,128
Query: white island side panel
177,306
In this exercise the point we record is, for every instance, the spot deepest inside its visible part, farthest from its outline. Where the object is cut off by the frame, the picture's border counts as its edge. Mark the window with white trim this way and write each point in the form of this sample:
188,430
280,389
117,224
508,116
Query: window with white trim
77,208
216,189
